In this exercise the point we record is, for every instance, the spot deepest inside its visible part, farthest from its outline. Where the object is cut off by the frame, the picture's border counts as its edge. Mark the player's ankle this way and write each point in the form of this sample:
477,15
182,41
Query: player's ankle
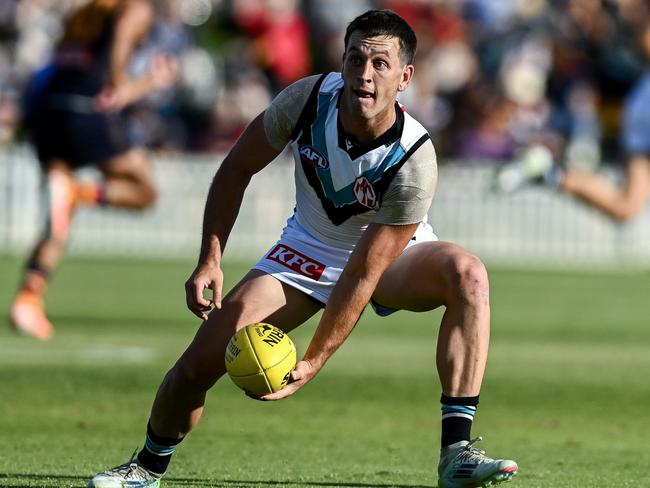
157,452
91,194
156,465
35,281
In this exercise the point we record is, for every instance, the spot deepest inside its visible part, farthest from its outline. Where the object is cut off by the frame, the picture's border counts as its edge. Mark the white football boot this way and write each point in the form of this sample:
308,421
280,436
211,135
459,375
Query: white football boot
129,474
463,466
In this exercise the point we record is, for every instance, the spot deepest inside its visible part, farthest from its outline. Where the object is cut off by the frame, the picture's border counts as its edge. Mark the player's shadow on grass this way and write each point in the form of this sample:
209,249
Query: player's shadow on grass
58,480
173,481
29,480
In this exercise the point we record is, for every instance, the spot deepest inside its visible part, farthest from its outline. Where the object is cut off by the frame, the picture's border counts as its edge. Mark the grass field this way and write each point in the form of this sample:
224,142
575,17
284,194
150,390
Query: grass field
566,392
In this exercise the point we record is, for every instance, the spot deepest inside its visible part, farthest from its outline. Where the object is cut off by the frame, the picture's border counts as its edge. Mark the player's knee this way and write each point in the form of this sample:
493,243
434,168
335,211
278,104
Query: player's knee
147,196
195,375
469,279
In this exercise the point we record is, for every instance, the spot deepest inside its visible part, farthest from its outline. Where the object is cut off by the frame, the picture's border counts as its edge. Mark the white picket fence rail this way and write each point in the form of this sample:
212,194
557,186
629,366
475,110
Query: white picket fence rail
534,228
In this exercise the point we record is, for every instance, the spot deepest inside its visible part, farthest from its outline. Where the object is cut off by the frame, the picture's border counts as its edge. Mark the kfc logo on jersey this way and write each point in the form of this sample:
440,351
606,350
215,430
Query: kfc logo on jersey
312,157
296,261
365,192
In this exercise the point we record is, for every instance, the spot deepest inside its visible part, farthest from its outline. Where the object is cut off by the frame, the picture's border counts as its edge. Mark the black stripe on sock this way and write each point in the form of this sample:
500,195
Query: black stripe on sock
470,401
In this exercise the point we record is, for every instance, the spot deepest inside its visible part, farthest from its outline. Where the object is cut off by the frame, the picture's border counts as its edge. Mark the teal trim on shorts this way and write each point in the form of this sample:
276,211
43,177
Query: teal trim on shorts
381,310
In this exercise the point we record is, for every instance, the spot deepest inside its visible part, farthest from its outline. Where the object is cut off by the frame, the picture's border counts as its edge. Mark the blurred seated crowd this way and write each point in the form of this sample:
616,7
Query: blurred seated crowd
492,76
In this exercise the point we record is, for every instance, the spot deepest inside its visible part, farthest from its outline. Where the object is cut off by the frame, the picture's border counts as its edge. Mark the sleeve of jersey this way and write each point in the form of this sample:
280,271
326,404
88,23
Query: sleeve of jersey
409,195
282,115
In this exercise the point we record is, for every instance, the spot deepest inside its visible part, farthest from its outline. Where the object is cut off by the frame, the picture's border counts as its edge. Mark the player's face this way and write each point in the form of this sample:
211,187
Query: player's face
373,73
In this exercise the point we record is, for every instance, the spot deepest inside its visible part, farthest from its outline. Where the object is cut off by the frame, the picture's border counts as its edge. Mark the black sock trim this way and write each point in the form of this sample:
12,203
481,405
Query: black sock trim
156,463
472,401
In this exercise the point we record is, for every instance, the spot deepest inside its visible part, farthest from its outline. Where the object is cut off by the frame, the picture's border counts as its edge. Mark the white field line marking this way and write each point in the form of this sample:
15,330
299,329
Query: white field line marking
79,353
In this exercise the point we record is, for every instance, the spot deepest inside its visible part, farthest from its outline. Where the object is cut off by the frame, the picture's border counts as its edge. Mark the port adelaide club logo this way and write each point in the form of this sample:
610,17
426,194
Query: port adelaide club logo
364,192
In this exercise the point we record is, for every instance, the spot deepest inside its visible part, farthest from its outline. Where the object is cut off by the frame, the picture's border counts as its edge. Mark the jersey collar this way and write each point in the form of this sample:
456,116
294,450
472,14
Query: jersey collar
355,149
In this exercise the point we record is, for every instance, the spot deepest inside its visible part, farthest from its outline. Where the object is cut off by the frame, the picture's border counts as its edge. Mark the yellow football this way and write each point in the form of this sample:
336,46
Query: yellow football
260,358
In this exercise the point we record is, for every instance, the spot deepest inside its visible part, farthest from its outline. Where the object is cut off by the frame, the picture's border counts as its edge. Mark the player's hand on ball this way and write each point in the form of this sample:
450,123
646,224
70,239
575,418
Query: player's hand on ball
300,376
205,276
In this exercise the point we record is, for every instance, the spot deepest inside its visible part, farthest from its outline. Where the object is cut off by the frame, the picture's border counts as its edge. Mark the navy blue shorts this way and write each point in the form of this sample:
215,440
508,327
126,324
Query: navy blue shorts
79,138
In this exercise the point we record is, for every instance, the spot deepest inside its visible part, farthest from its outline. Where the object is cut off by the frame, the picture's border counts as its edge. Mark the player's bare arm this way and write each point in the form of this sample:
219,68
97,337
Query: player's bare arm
132,26
379,246
621,204
251,153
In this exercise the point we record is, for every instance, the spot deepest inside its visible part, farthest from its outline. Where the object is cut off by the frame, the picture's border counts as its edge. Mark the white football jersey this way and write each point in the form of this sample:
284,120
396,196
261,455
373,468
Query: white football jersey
342,186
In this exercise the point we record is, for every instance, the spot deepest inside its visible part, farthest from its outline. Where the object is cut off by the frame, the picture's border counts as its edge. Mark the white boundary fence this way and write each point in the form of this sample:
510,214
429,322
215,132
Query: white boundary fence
534,228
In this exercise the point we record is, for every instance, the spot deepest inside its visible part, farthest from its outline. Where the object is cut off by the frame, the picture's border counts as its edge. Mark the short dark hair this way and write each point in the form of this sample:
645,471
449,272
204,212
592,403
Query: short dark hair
385,22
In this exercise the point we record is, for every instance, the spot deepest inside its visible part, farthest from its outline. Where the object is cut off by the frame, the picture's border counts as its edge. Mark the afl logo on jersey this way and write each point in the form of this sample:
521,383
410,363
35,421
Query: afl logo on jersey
365,192
311,156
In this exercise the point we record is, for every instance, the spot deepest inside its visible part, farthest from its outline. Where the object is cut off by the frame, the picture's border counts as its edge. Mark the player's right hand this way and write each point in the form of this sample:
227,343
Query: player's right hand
300,376
205,276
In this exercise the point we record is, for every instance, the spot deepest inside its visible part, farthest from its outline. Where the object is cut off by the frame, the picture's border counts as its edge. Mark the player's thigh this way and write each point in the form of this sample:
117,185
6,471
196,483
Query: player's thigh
424,276
258,297
132,164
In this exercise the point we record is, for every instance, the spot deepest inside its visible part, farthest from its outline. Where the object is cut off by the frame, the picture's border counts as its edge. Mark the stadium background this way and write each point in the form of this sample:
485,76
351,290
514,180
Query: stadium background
566,389
492,78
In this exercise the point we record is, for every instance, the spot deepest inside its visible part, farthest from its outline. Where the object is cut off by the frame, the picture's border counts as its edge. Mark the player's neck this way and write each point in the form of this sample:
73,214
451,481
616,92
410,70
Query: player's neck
366,130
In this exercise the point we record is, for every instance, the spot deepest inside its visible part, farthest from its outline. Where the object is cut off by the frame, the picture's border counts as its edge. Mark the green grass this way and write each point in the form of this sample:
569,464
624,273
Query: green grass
566,392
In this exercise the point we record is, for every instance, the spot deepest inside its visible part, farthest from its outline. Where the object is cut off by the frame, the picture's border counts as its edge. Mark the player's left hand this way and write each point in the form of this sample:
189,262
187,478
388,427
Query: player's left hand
300,376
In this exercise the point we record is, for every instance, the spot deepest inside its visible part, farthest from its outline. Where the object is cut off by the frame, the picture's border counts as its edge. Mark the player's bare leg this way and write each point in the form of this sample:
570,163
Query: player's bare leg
27,314
128,181
257,298
432,274
424,277
181,397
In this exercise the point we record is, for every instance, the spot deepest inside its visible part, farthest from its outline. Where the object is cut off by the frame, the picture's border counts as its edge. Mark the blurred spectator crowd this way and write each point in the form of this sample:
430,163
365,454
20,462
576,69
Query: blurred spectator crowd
492,76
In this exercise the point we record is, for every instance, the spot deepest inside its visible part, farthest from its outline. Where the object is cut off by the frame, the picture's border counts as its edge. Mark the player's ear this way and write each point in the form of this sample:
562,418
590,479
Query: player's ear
407,76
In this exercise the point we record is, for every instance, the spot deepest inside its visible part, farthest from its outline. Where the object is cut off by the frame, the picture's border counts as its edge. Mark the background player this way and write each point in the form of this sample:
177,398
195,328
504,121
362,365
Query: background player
619,203
74,119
